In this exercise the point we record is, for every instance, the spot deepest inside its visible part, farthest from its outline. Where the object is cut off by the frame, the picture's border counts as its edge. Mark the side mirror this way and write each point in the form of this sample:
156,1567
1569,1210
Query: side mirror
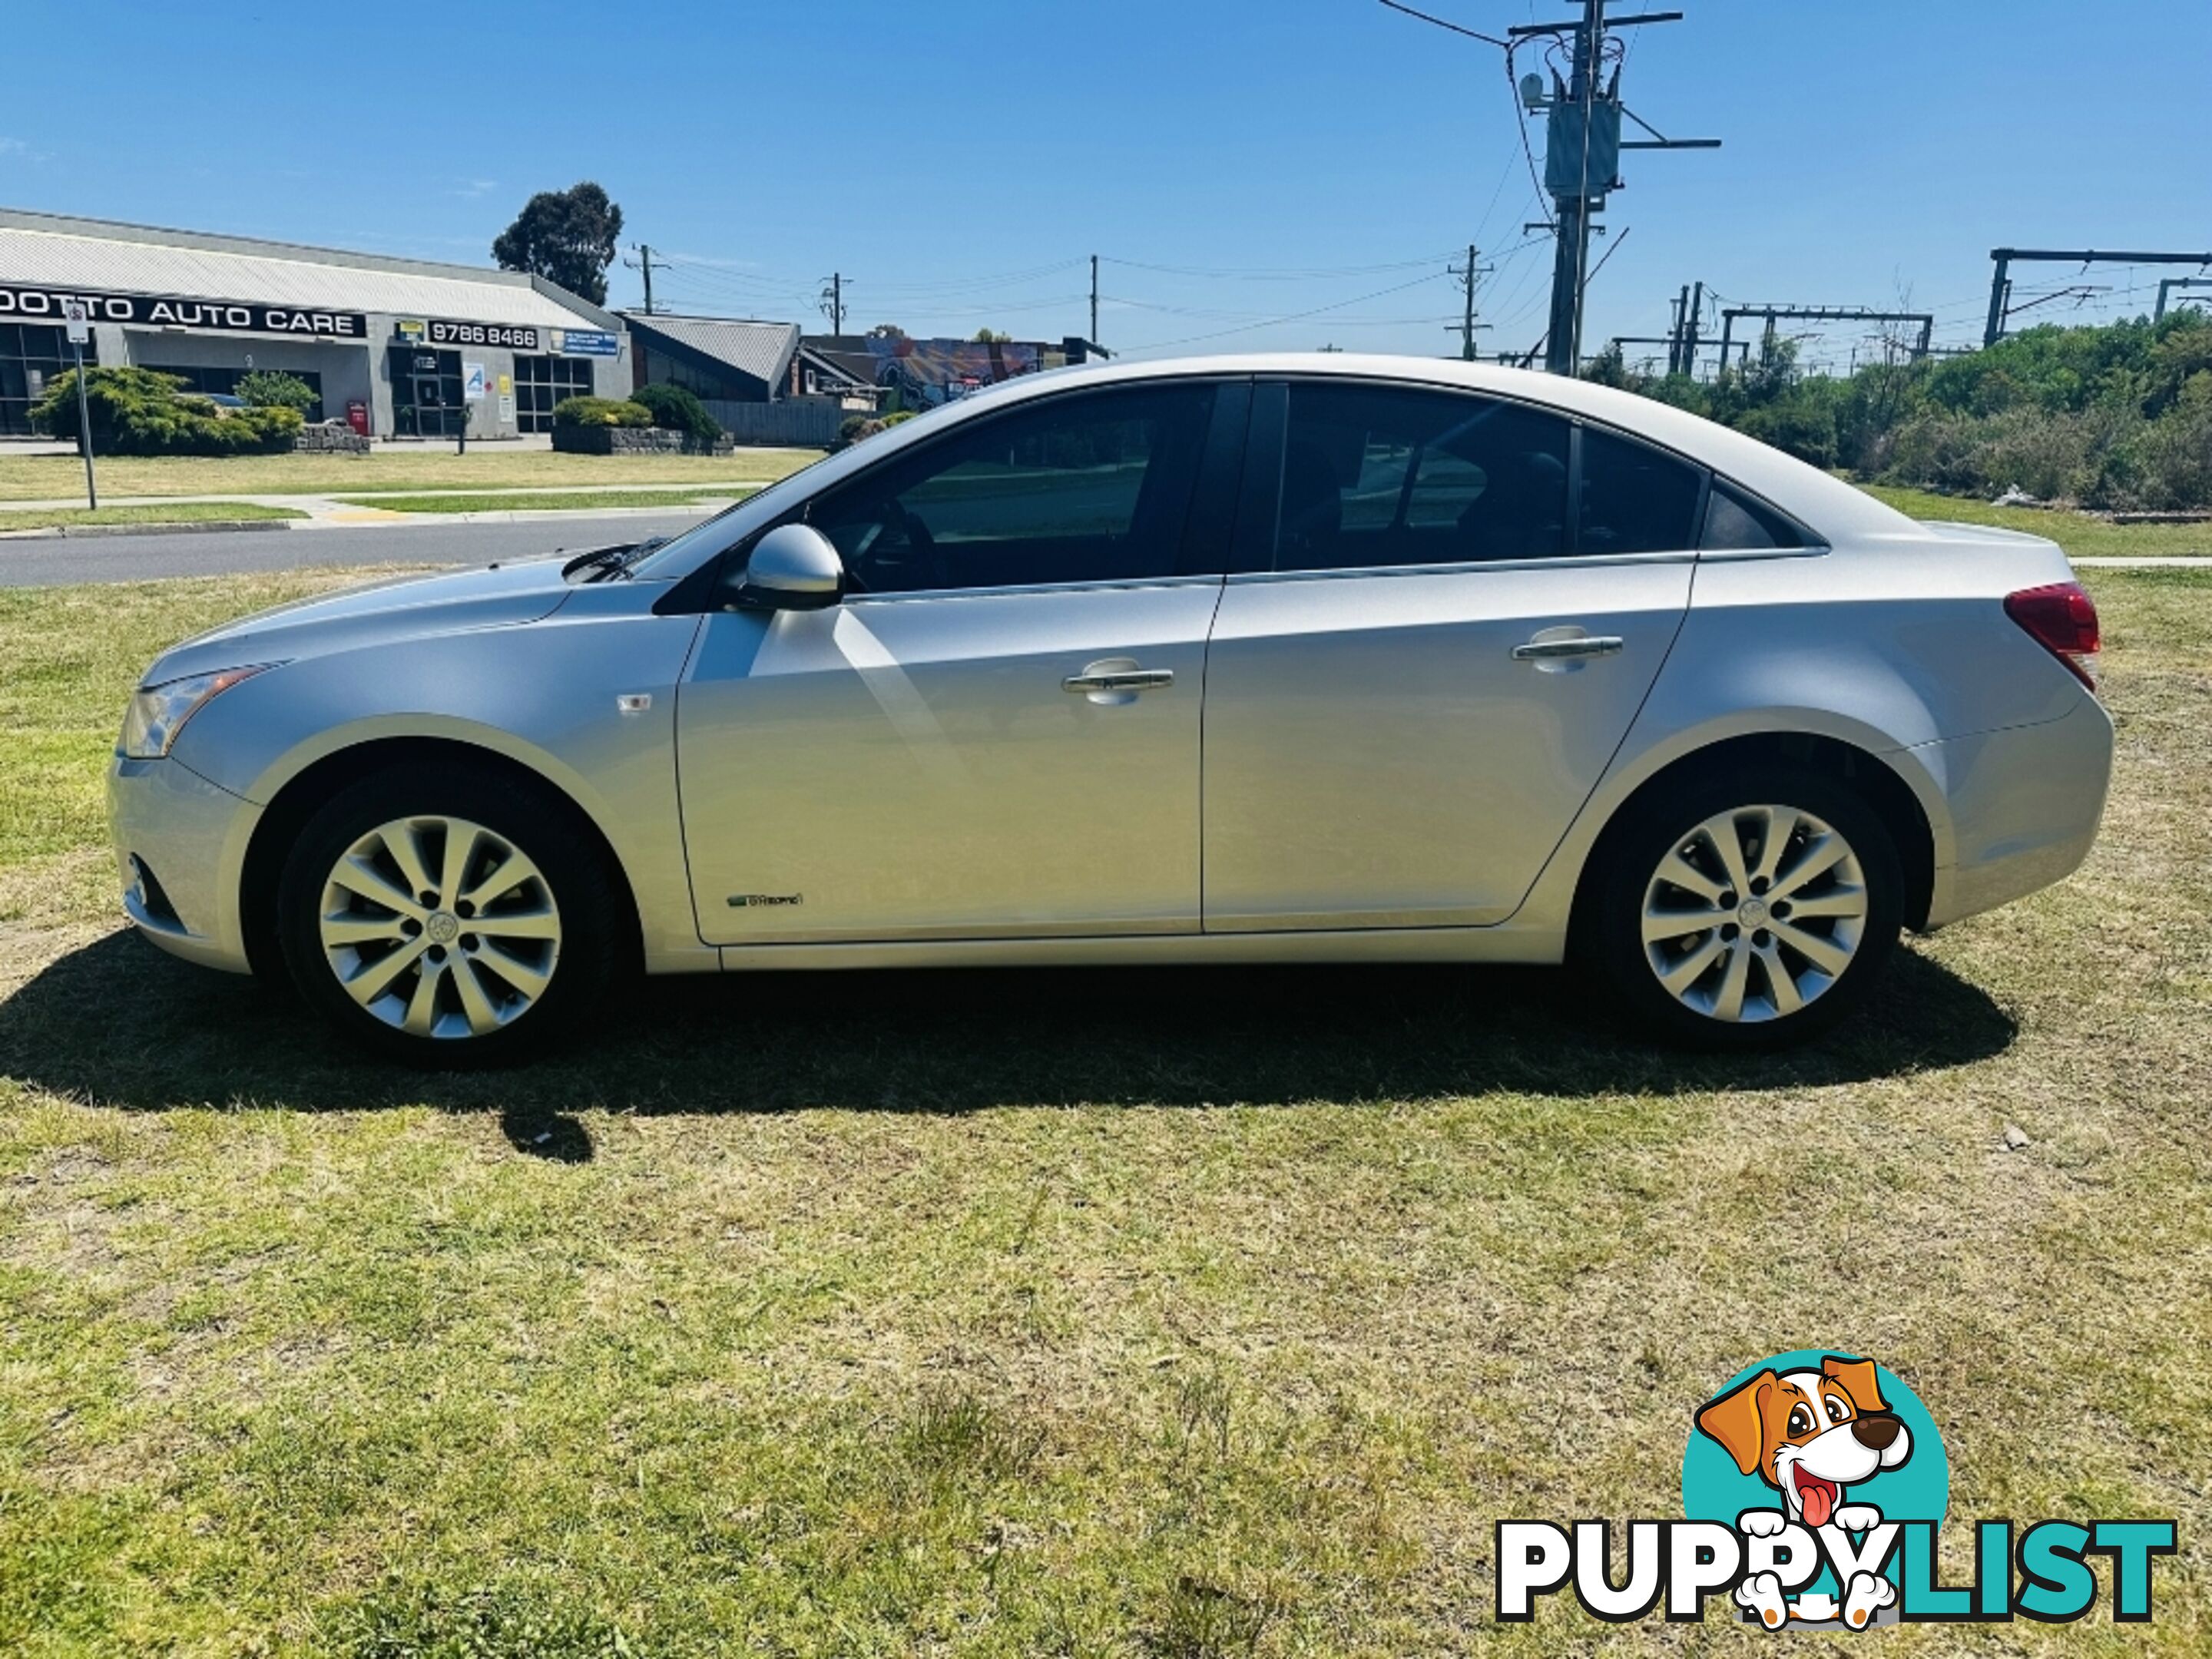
792,567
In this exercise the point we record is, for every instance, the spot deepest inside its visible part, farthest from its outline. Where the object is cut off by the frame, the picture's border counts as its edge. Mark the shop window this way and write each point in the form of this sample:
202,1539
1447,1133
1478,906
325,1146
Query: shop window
541,382
224,382
31,355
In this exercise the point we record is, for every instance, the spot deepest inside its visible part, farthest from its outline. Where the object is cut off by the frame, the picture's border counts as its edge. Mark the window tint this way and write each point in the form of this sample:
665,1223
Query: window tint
1374,477
1092,488
1735,522
1635,500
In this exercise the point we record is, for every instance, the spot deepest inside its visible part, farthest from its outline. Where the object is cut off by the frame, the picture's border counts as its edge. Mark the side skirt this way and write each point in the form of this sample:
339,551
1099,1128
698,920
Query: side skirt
1504,943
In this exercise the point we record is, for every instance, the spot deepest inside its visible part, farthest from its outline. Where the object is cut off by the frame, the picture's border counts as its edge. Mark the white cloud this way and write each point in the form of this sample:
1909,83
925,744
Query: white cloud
472,188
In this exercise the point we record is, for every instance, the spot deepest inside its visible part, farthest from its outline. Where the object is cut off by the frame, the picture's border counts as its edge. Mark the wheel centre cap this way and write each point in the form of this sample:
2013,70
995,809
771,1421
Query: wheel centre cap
443,927
1752,913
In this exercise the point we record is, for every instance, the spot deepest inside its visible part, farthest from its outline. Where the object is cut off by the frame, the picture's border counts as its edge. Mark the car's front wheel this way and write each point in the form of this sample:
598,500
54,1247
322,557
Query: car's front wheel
1748,911
445,917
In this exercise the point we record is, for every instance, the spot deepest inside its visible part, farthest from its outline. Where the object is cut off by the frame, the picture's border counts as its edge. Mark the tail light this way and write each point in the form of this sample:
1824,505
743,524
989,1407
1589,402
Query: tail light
2062,620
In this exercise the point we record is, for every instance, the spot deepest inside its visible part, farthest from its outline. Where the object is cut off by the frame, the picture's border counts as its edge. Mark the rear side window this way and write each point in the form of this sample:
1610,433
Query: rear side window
1735,523
1375,476
1635,499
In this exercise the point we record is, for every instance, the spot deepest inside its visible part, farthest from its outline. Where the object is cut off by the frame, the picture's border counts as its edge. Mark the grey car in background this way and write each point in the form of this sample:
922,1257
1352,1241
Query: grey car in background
1280,658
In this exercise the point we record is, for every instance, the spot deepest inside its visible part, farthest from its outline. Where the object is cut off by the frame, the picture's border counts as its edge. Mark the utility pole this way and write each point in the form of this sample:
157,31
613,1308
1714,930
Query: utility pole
1681,308
1576,196
833,302
1691,324
1582,160
1467,327
645,265
1093,299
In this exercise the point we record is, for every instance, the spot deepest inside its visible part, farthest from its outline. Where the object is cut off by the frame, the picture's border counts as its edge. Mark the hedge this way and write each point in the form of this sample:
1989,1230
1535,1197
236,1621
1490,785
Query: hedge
600,411
136,411
677,410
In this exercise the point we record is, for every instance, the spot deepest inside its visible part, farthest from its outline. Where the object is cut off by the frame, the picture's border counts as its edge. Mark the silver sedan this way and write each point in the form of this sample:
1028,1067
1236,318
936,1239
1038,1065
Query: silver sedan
1325,659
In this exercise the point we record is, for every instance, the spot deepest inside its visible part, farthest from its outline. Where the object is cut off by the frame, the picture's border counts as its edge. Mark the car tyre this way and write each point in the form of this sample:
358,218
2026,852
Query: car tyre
448,917
1696,963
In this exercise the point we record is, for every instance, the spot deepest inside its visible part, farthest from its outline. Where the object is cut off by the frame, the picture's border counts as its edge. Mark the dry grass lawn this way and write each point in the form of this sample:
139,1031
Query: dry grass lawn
1191,1314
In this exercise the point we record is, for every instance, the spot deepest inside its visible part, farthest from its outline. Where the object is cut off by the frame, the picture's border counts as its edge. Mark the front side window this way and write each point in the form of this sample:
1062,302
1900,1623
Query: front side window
1095,487
1375,476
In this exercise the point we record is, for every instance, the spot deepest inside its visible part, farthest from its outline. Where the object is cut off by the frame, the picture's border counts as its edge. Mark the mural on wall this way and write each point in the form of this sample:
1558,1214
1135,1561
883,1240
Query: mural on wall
923,374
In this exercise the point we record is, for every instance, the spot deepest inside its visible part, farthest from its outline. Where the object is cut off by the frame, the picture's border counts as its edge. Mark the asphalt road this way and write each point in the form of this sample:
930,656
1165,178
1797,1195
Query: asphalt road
56,560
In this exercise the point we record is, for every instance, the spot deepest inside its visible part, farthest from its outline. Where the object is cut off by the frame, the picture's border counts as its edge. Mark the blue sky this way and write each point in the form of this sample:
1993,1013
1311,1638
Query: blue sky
1235,161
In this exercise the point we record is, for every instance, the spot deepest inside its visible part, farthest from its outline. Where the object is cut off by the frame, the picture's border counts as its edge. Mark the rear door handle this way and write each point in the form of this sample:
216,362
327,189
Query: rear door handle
1543,650
1134,679
1117,680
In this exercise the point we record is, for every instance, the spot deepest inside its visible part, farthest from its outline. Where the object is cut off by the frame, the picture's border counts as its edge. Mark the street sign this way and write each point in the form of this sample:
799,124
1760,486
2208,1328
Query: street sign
585,343
472,382
79,333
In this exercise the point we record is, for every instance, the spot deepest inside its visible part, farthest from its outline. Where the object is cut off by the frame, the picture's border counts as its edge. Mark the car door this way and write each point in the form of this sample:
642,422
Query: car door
995,732
1426,657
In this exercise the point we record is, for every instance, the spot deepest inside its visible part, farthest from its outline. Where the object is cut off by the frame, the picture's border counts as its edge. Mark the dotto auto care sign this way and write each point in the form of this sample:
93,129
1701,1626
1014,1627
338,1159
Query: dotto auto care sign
48,305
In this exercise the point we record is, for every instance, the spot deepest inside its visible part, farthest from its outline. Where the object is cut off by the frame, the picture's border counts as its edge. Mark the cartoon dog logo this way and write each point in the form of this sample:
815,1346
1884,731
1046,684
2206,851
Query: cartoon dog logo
1811,1434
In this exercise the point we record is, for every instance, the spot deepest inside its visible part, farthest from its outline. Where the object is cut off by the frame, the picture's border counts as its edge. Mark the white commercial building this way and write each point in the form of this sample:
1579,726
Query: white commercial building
400,348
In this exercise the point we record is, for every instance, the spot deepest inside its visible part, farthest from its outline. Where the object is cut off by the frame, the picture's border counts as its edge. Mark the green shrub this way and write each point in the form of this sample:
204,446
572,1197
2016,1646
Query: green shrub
272,388
857,426
676,410
600,411
2113,416
136,411
899,414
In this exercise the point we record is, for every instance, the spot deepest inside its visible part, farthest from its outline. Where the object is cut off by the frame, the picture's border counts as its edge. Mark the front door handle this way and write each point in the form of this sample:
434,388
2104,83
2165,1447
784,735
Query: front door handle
1116,680
1543,650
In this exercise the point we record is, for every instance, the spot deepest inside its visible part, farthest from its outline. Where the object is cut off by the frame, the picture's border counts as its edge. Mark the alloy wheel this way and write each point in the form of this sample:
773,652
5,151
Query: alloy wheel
440,927
1754,914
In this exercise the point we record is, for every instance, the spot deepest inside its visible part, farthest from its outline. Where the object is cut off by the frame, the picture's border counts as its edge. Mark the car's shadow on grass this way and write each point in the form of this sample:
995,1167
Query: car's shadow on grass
117,1023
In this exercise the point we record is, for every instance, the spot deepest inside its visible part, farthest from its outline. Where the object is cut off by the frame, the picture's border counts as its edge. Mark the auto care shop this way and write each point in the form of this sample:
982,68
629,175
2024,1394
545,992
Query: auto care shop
399,348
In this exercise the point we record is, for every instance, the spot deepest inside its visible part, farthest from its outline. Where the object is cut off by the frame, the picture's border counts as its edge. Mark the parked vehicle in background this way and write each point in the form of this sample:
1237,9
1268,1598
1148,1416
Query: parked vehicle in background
1249,660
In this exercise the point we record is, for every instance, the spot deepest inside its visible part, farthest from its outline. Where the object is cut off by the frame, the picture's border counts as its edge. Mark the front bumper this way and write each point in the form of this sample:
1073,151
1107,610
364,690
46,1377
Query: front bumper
179,844
2024,804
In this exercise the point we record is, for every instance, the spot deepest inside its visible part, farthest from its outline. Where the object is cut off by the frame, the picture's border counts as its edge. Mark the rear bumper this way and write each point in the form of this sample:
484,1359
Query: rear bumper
2024,804
178,842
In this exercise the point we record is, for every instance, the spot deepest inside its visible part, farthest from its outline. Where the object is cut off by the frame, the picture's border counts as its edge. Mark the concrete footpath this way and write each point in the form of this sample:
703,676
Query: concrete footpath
358,506
410,539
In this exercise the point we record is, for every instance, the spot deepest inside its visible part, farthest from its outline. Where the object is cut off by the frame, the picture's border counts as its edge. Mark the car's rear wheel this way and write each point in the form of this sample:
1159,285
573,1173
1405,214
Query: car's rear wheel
1748,911
446,918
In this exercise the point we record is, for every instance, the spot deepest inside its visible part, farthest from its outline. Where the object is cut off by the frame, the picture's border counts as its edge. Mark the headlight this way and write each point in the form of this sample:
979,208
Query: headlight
158,712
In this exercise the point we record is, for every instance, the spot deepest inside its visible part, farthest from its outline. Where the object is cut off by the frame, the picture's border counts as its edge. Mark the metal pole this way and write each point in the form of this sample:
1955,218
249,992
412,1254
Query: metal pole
645,263
84,430
836,302
1927,338
1995,331
1466,321
1690,334
1093,299
1571,257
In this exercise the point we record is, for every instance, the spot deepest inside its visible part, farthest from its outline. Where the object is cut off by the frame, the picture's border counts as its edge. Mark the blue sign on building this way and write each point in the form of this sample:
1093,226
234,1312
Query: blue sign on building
585,343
